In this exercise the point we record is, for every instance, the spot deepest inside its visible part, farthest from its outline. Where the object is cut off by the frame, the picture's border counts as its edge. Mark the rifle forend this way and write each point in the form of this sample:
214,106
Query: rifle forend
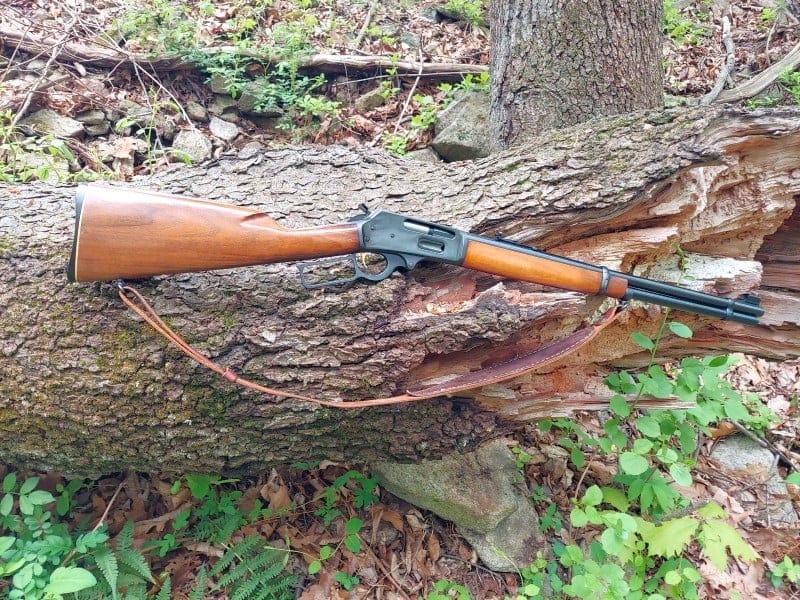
132,234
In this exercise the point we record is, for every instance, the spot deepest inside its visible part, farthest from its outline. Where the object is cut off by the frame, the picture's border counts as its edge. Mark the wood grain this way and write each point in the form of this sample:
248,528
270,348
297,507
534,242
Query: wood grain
125,233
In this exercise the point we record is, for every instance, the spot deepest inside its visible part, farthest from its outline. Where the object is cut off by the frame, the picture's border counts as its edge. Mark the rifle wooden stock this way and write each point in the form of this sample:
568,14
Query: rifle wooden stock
512,264
132,234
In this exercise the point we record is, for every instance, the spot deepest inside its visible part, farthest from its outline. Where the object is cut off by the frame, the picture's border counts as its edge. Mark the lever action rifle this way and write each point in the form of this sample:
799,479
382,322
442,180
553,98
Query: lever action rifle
130,234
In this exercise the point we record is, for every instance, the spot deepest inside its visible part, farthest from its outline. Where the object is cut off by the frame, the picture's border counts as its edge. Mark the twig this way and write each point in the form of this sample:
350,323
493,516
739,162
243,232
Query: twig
766,444
410,95
56,50
102,520
370,14
727,68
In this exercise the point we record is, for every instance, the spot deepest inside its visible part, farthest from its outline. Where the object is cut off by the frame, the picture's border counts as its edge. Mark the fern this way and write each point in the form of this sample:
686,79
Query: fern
165,593
218,530
131,557
106,562
200,585
249,570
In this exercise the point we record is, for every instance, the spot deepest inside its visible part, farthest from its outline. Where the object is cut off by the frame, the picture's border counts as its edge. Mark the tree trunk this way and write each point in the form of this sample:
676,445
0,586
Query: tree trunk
85,387
556,63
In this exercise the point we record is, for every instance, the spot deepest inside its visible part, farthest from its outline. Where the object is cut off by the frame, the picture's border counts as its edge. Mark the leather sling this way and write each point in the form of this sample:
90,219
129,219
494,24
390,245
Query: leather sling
520,365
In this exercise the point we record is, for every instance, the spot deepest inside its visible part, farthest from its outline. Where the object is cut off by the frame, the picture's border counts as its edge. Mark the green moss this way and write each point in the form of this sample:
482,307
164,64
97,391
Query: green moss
209,401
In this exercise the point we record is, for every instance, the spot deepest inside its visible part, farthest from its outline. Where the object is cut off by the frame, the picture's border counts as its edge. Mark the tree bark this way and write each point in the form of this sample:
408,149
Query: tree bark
556,63
87,388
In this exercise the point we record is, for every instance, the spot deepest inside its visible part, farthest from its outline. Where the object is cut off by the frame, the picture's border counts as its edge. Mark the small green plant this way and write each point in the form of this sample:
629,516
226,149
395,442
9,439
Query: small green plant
250,569
41,558
791,82
471,11
786,571
679,28
447,590
41,157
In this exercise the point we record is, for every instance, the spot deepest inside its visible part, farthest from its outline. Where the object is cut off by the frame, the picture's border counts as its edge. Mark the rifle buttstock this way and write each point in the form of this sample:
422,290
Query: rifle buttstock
132,234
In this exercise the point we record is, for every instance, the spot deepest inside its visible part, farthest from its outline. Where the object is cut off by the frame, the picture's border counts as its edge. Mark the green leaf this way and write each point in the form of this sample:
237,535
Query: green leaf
352,543
6,504
672,577
793,479
642,340
199,485
314,567
353,526
39,497
577,457
642,446
615,498
325,552
633,464
712,510
671,537
29,485
716,536
681,474
593,496
619,406
6,542
578,518
25,506
9,482
680,329
67,580
718,361
648,426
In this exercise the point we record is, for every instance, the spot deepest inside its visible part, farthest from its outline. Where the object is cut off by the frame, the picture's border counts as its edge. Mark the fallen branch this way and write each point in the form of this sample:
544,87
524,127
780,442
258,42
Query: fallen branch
727,68
763,80
99,56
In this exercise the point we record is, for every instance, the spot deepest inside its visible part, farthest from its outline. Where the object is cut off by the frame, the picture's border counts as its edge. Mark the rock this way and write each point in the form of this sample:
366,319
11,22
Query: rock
50,122
462,130
219,84
409,39
144,118
91,117
482,493
369,101
751,462
192,144
424,155
224,130
223,106
251,97
99,129
196,111
136,113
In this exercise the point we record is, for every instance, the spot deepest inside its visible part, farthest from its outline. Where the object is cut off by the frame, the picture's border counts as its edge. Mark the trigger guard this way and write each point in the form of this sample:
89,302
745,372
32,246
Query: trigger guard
393,262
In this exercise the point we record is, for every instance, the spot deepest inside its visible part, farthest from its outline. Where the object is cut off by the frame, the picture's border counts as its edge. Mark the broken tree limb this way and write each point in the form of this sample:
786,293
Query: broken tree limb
84,387
111,56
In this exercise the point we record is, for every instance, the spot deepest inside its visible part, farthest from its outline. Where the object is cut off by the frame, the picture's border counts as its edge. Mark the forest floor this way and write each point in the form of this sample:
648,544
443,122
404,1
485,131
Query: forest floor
403,552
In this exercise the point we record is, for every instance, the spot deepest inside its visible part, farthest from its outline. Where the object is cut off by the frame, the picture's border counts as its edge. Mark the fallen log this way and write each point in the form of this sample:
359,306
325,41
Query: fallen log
86,388
111,56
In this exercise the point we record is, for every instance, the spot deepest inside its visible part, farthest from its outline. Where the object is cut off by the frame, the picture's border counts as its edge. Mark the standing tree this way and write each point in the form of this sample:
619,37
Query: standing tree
556,63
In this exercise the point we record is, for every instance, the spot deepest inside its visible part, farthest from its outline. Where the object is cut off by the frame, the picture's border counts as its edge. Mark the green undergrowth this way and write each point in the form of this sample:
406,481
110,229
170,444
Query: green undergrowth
48,552
635,536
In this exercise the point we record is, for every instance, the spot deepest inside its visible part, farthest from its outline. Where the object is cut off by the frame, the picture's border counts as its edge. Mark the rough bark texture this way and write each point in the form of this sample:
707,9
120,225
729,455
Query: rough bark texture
556,63
84,387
